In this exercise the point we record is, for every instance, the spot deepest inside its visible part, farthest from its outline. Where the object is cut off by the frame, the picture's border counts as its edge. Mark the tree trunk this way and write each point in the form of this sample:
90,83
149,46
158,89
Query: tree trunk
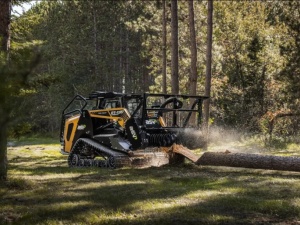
253,161
164,48
174,41
96,73
128,77
208,64
193,74
5,12
3,149
192,84
121,72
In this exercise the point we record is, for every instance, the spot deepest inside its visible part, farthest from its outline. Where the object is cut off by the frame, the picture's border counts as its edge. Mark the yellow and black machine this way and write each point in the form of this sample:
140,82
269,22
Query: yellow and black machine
111,130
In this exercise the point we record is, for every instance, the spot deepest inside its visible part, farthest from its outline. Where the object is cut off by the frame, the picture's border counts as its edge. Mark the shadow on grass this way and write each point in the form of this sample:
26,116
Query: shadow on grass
32,141
168,195
44,190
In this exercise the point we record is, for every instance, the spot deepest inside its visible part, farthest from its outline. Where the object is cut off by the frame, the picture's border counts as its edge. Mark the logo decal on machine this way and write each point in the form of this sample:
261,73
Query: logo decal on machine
81,127
151,122
133,133
116,113
102,113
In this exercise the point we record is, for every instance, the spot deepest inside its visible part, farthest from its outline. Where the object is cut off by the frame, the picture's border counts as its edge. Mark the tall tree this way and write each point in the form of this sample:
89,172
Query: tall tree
193,74
164,48
192,83
5,12
208,61
174,49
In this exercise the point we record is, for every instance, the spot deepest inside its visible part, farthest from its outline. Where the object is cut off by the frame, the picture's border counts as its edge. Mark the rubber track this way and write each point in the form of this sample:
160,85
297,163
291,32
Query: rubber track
121,159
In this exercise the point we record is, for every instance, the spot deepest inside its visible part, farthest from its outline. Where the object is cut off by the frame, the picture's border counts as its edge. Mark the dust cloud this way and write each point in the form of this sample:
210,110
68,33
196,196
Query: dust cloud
221,139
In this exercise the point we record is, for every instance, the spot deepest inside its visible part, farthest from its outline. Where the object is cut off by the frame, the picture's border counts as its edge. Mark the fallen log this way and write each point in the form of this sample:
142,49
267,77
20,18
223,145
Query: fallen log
254,161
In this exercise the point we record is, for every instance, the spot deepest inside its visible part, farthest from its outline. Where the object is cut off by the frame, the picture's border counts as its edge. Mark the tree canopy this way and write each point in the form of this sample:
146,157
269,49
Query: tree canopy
117,46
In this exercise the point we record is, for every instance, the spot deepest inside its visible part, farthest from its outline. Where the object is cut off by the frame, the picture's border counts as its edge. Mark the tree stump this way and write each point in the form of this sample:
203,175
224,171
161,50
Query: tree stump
254,161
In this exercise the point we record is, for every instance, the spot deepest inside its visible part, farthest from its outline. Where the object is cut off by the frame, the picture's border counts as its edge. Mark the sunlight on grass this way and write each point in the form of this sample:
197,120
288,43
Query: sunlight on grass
296,202
220,218
42,189
68,205
293,147
112,184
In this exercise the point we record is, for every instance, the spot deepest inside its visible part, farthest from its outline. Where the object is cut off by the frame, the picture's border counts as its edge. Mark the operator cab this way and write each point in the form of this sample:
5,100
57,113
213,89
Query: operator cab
110,103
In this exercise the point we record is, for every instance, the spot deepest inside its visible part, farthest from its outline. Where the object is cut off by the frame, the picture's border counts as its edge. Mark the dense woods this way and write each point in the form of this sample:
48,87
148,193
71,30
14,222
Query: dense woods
125,46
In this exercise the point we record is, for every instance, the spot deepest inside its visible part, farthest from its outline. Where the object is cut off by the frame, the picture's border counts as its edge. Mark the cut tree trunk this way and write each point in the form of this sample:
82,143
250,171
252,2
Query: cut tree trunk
254,161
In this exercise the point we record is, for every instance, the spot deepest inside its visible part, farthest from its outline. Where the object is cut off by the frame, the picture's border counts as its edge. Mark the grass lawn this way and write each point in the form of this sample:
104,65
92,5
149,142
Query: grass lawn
42,189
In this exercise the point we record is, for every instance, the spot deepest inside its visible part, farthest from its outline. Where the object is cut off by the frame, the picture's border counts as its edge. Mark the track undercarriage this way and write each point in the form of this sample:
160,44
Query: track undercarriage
89,153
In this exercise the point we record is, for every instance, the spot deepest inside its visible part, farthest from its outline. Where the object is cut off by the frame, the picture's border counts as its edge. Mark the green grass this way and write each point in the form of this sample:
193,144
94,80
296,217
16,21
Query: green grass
42,190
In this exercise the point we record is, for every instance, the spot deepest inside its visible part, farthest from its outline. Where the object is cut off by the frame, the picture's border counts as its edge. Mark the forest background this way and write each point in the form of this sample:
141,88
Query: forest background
117,46
62,48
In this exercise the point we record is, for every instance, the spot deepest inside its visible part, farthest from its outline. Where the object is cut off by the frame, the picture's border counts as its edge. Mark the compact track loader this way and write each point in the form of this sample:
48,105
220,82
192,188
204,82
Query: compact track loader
112,130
